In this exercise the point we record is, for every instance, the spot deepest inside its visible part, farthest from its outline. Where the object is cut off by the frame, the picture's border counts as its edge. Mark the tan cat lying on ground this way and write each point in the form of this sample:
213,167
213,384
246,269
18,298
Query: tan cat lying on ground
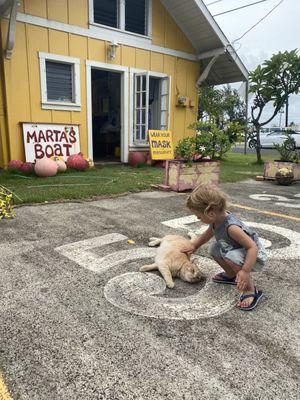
171,262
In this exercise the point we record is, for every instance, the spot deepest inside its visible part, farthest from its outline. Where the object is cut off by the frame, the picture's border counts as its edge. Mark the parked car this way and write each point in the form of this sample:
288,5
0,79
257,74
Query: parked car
268,139
252,141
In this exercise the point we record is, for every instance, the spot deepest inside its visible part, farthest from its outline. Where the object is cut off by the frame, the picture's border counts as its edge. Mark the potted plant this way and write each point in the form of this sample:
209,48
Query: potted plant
289,159
197,158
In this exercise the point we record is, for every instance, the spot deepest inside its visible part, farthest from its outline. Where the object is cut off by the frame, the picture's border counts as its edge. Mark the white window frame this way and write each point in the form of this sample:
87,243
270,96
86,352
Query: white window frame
132,73
121,21
124,71
60,105
165,103
138,92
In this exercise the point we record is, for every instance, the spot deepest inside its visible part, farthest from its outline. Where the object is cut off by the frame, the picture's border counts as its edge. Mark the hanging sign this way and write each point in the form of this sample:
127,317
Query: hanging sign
48,140
161,145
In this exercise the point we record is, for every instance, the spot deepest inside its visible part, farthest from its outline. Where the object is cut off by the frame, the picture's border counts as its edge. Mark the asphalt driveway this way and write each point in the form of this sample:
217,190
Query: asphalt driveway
79,322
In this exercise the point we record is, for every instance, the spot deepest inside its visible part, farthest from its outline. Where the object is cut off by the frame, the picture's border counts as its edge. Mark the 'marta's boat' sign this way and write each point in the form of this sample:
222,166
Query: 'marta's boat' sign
47,140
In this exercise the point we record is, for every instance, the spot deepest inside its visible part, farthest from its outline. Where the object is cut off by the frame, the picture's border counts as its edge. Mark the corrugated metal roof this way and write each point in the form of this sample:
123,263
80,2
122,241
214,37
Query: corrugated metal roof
199,26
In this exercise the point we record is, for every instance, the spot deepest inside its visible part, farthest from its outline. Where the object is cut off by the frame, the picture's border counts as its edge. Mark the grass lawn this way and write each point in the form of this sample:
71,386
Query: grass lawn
238,167
111,180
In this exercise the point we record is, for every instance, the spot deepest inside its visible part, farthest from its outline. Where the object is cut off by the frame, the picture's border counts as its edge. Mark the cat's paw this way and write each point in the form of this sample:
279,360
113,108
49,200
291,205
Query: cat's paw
170,285
191,235
154,243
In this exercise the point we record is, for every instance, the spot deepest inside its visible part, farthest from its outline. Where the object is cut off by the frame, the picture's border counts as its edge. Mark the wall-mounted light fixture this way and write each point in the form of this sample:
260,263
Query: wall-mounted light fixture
112,50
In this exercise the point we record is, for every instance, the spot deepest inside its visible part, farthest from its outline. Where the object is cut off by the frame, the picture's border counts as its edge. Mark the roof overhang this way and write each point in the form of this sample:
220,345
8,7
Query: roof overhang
209,41
10,7
4,6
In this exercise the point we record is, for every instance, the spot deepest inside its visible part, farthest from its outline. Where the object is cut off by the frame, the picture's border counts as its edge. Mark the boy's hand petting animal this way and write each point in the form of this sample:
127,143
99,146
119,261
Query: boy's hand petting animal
242,280
189,249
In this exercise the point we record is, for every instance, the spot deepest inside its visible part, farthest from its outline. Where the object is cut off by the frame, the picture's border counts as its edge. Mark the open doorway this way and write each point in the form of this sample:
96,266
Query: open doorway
106,115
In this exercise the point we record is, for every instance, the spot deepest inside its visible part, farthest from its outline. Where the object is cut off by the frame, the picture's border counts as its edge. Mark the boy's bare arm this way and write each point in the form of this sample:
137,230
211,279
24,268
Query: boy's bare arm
199,241
243,276
236,233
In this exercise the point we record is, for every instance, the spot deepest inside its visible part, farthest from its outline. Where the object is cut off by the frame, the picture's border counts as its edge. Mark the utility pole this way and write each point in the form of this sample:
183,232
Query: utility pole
287,113
280,115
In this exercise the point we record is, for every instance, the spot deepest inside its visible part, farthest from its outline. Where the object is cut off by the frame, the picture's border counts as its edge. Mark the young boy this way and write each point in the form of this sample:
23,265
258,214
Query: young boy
237,249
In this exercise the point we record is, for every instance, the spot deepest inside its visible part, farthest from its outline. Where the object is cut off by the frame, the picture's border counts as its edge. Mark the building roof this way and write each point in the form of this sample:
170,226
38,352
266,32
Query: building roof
213,48
199,26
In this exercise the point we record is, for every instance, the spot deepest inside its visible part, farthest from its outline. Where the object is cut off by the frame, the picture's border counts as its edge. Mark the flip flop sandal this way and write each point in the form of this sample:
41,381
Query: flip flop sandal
224,279
257,295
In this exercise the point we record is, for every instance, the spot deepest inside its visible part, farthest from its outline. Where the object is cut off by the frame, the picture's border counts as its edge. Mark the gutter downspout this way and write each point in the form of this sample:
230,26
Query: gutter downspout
10,41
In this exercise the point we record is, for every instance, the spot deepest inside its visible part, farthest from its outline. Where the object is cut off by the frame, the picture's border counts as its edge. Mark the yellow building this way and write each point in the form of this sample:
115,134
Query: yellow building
114,68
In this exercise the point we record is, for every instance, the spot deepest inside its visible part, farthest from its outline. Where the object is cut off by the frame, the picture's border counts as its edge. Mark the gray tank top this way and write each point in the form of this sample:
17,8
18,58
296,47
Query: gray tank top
221,232
226,243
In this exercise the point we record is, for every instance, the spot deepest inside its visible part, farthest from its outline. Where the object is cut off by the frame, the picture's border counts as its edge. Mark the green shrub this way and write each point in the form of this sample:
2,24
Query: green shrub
287,149
210,141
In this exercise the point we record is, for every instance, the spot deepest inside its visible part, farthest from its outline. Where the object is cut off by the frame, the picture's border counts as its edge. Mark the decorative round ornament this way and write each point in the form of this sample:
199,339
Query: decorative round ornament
284,176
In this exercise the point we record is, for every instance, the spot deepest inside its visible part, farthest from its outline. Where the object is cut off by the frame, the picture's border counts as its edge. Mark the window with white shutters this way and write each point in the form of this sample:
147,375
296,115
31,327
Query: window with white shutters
60,82
106,12
136,16
131,16
59,77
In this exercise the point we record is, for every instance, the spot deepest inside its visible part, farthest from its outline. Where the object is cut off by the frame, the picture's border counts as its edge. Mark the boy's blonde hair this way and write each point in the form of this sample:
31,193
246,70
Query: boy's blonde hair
205,198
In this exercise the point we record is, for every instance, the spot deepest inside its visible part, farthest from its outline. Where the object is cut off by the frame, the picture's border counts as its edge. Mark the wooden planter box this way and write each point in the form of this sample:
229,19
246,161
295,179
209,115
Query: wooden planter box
180,177
272,167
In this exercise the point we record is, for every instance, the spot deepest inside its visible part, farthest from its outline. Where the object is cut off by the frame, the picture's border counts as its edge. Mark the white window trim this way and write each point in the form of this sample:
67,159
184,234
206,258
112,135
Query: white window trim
132,71
124,105
105,34
60,105
121,21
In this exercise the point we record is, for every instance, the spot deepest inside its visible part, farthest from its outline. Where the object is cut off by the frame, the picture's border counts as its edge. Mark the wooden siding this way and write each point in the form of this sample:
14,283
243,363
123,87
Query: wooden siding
165,32
22,72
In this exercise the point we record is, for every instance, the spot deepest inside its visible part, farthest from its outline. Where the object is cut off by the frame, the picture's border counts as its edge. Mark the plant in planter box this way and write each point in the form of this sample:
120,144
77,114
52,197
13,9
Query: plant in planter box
197,158
185,150
210,141
289,160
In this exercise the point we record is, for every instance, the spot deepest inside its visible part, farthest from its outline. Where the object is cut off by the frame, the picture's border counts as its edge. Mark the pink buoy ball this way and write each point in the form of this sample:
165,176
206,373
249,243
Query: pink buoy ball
137,157
26,167
77,161
45,167
15,165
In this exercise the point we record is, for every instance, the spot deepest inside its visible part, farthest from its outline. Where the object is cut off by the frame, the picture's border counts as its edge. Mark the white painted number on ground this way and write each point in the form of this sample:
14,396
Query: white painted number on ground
136,292
281,200
139,293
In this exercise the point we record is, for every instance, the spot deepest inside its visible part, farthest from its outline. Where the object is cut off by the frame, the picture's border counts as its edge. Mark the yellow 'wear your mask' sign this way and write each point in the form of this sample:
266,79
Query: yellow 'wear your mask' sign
161,145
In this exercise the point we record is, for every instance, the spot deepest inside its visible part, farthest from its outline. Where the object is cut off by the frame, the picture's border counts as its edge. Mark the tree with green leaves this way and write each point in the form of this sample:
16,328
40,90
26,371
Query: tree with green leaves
223,107
273,82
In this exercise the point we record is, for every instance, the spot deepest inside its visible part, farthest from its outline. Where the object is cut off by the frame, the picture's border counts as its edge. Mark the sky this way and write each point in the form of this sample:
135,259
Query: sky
278,32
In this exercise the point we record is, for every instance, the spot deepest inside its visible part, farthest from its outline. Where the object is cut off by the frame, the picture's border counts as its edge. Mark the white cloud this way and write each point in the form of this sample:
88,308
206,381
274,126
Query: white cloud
278,32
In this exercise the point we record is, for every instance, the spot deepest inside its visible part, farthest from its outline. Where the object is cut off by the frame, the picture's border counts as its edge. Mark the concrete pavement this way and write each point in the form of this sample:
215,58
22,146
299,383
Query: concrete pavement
79,322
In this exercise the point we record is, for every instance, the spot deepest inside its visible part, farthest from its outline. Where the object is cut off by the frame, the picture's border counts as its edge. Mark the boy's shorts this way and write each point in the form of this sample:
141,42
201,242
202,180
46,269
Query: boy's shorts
237,256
